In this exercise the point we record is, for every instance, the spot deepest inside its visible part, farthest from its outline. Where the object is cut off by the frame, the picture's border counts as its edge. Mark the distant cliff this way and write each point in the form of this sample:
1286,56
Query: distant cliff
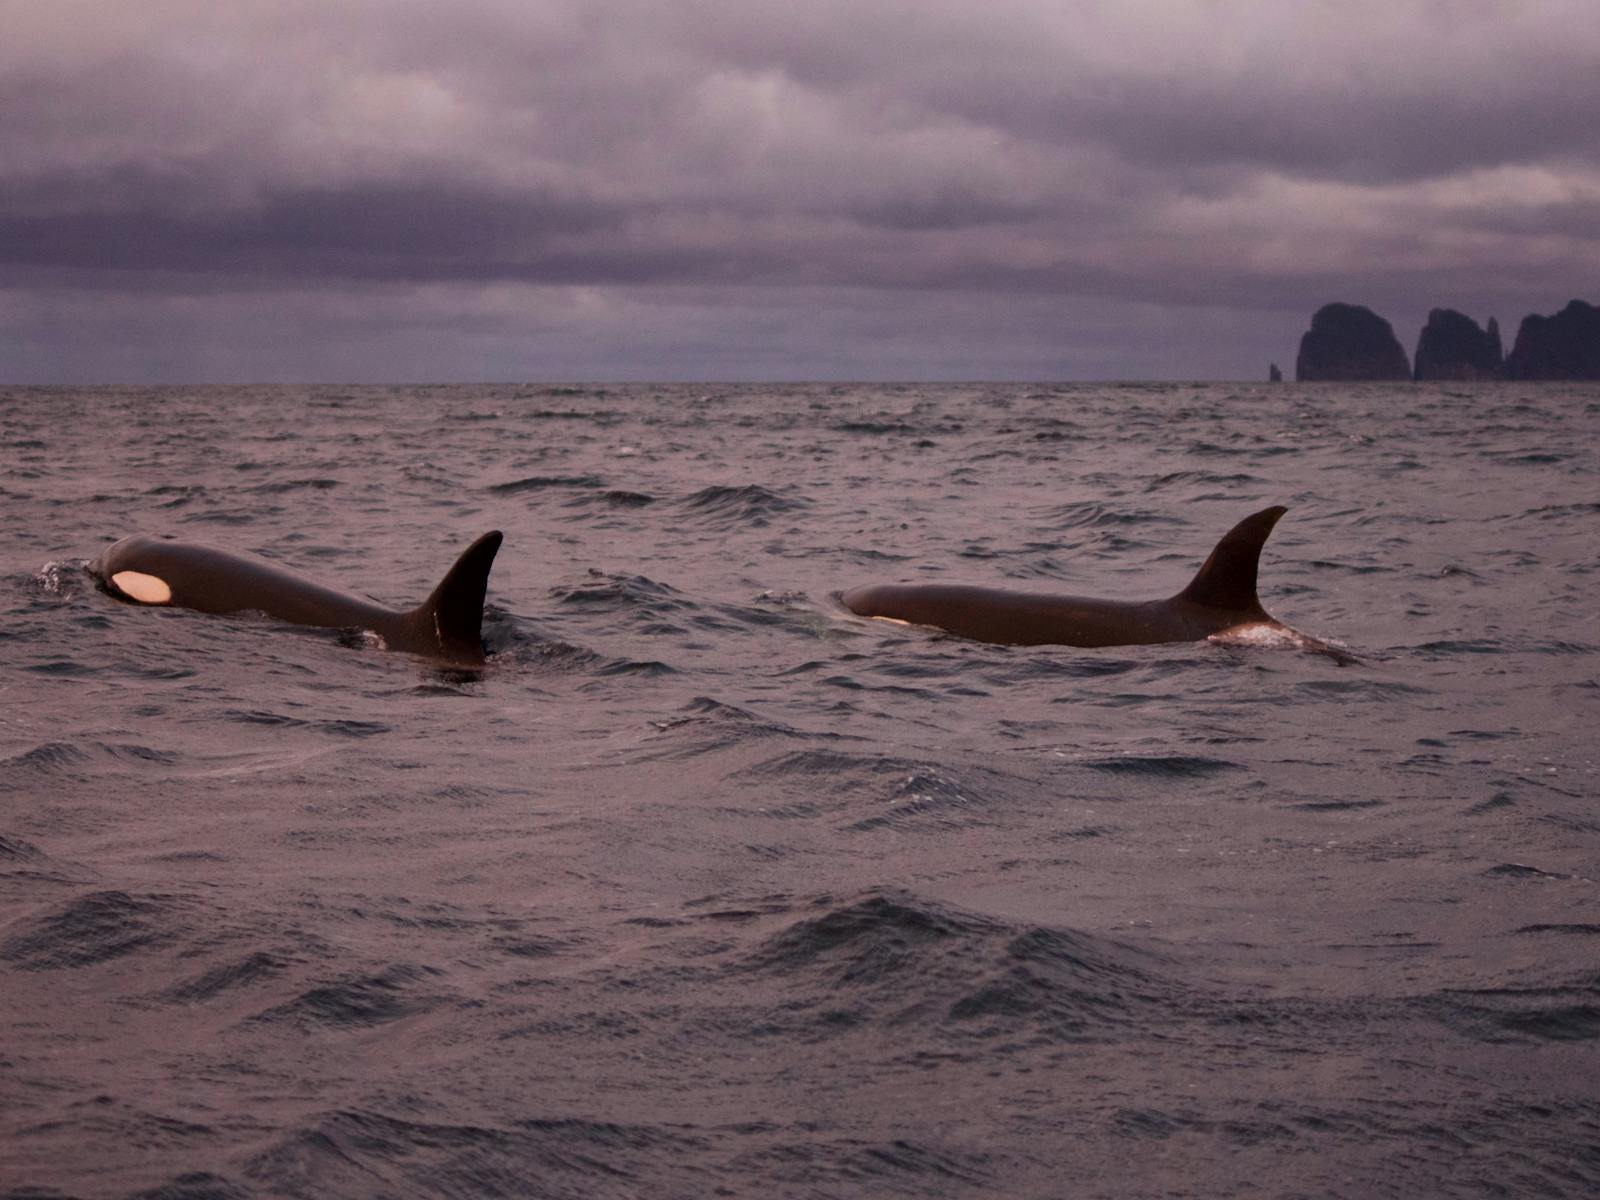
1453,347
1349,342
1565,346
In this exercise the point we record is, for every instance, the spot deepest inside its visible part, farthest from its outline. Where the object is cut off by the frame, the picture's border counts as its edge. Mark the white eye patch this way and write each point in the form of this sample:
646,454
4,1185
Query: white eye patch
146,589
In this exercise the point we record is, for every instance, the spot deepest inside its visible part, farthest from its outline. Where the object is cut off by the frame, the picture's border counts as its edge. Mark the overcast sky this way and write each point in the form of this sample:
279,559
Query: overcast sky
407,190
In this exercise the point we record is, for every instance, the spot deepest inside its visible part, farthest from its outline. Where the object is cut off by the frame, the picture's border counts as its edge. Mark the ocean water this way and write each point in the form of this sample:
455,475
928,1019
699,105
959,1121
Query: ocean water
703,886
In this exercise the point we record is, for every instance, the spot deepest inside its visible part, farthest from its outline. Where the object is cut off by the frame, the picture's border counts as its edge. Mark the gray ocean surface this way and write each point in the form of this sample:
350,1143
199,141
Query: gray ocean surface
706,887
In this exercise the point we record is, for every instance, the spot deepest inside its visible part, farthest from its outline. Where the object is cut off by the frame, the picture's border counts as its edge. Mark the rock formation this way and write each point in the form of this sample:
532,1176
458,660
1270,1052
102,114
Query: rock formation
1565,346
1349,342
1453,347
1273,374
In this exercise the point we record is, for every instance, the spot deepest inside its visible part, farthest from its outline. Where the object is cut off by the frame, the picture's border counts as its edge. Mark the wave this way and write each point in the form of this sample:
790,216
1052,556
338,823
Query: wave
17,850
347,727
251,970
282,487
64,758
634,594
358,1153
889,956
1093,514
705,725
751,504
91,929
1161,766
539,483
177,495
1569,1013
610,498
1233,480
361,1001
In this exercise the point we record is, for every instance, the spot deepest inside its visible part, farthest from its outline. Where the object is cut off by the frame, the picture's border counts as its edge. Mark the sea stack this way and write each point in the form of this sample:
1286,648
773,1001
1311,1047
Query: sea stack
1565,346
1347,342
1453,347
1273,374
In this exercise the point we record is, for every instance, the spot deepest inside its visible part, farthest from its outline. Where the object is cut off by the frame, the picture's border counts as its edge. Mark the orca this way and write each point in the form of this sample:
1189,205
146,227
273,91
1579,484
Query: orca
448,625
1219,603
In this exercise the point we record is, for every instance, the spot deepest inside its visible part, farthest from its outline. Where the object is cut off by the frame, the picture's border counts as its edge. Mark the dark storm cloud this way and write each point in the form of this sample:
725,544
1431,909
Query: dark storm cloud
1188,154
379,229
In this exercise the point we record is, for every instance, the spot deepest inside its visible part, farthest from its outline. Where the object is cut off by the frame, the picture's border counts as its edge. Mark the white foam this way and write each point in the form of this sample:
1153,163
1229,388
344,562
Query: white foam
1270,635
1258,634
57,576
146,589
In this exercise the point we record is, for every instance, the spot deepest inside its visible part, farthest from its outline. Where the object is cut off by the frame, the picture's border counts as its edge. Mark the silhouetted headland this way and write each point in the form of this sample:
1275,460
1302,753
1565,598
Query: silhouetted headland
1349,342
1565,346
1452,346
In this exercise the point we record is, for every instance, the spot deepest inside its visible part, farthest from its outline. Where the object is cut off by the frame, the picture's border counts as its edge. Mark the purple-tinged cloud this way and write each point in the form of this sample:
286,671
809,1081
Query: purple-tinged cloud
1163,161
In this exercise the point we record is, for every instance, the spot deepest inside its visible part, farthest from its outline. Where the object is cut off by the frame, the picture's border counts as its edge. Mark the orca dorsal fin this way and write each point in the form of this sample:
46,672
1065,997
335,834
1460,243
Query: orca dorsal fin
452,618
1227,579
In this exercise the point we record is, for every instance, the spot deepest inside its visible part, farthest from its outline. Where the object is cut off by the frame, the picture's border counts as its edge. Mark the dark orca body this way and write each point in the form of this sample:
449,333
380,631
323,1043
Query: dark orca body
448,625
1220,599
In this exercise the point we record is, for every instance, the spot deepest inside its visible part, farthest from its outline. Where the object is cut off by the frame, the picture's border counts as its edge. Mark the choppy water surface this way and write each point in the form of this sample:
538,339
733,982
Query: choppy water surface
706,887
